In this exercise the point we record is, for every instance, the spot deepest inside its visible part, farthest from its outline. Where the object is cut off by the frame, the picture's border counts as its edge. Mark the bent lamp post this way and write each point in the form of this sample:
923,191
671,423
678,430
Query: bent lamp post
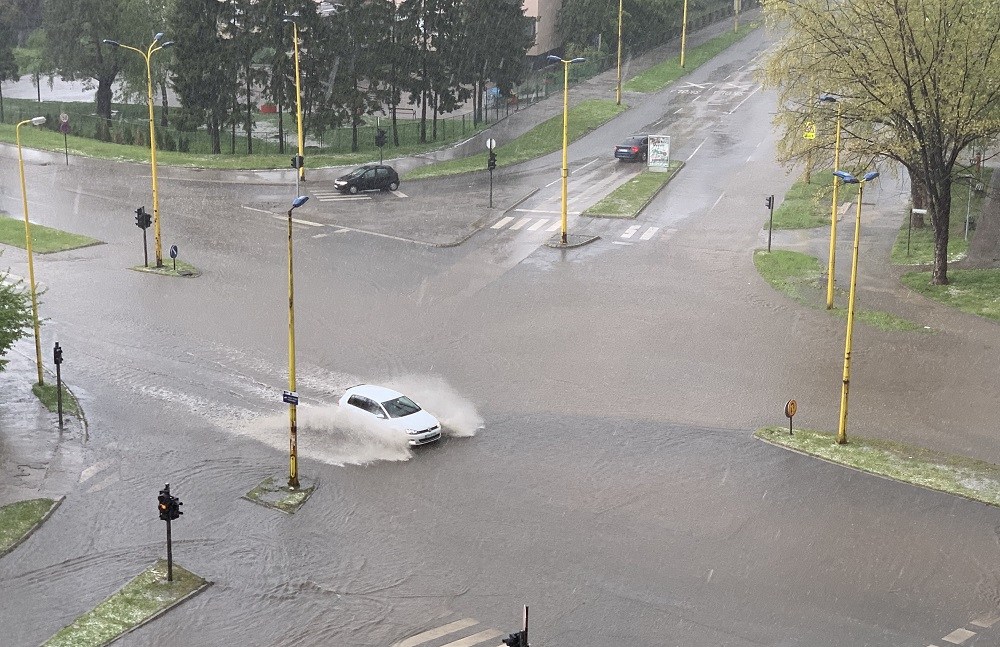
35,121
565,142
293,442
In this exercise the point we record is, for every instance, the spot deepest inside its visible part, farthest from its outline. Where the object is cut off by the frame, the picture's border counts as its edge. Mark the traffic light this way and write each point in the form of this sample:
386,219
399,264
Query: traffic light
379,137
514,640
164,504
175,505
142,219
769,202
298,161
491,163
57,354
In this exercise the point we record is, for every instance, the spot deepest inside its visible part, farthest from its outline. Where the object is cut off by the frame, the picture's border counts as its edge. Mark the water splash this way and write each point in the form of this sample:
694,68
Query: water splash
457,415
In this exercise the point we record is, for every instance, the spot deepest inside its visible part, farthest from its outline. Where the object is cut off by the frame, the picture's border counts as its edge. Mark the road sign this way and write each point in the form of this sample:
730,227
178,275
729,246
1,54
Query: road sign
659,153
64,127
491,143
790,408
64,118
810,130
291,397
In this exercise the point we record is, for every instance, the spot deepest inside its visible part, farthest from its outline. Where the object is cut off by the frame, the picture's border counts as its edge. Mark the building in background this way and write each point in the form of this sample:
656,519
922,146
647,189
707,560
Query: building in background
545,14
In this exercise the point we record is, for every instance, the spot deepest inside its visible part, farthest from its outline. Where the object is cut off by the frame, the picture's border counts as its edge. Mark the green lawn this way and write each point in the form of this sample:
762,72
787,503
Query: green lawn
959,475
973,291
18,519
661,75
628,200
542,139
808,205
48,395
44,240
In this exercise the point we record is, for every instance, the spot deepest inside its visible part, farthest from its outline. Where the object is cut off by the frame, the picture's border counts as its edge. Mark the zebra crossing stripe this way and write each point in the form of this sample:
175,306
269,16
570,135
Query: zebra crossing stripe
520,223
630,231
502,222
437,632
538,225
553,227
474,639
649,233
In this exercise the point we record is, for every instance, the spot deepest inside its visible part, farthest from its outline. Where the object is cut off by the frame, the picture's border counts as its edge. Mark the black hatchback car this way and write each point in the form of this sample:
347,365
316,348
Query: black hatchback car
370,177
633,149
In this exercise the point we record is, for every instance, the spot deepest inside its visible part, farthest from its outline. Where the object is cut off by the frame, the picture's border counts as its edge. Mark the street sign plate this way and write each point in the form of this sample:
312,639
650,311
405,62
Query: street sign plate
491,143
173,251
790,408
64,127
291,397
63,117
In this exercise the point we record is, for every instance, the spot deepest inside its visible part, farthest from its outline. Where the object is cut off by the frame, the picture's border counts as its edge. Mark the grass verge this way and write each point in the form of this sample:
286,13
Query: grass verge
916,246
170,268
44,240
661,75
800,277
966,477
139,601
541,140
269,493
974,291
809,204
47,394
628,200
18,520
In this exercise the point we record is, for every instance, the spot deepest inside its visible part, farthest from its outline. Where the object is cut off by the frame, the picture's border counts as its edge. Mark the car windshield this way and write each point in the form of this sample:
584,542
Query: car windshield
358,172
401,406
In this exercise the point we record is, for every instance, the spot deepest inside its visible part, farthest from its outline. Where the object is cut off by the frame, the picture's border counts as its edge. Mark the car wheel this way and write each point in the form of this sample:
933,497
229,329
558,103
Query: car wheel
393,186
642,158
353,189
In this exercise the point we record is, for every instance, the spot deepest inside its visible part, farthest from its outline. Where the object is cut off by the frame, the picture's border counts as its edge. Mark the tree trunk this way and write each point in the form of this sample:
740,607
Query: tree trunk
395,128
281,128
249,124
940,201
215,129
918,197
354,118
434,115
164,122
104,107
1,104
38,86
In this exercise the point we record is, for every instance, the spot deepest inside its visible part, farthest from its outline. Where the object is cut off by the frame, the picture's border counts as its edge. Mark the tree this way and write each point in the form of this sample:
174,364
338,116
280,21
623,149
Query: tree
15,315
918,79
31,59
496,39
8,65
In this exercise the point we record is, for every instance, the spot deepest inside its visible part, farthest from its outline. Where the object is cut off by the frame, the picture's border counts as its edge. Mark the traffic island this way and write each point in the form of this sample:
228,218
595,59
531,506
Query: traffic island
171,268
572,240
966,477
19,520
272,493
628,200
143,599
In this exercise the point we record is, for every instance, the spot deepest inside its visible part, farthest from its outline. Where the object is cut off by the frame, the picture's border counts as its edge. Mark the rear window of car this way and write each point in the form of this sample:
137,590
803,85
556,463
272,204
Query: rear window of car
401,406
634,141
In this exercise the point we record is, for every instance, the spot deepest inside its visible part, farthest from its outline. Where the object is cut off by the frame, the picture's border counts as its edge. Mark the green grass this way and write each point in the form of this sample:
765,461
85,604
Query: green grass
18,519
44,240
959,475
628,200
280,497
808,205
137,602
920,249
183,269
661,75
542,139
800,277
47,394
973,291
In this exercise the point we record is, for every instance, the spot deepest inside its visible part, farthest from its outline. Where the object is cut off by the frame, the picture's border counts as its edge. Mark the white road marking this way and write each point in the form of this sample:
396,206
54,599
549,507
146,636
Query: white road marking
697,149
649,233
745,100
399,194
618,242
986,621
296,220
554,226
319,236
257,210
437,632
573,213
94,469
700,86
502,222
630,231
520,223
342,198
538,225
959,636
474,639
718,200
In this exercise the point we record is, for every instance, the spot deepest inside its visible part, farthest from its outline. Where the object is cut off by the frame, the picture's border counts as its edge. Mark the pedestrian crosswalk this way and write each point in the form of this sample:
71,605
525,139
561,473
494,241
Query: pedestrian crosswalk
466,632
551,225
337,196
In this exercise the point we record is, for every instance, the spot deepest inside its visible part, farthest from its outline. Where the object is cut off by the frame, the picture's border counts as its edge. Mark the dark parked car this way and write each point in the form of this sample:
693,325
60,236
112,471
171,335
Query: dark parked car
370,177
633,149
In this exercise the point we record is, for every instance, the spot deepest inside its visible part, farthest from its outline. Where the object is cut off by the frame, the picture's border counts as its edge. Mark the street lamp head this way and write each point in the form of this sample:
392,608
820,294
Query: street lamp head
554,58
158,36
167,44
299,201
846,177
37,121
113,43
870,175
578,59
829,98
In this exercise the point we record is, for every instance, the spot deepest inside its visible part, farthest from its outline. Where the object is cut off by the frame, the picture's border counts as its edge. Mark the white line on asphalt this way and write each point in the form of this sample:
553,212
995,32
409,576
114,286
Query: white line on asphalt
503,221
538,225
319,235
572,213
474,639
343,198
296,220
959,636
94,469
258,210
745,100
400,194
618,242
697,149
716,203
986,621
375,233
649,233
520,223
630,231
437,632
553,182
580,168
678,110
556,225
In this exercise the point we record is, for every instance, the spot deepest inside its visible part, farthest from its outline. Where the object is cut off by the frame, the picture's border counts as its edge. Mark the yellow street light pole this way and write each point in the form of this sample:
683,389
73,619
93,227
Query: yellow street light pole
298,99
154,47
850,179
828,98
684,31
618,87
565,145
293,440
36,121
736,16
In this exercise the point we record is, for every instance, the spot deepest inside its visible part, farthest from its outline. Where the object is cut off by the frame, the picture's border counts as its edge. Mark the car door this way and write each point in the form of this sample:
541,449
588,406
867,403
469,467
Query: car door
381,178
368,180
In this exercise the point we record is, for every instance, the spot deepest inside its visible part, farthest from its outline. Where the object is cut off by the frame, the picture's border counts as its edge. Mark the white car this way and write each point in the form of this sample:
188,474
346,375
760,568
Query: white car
394,410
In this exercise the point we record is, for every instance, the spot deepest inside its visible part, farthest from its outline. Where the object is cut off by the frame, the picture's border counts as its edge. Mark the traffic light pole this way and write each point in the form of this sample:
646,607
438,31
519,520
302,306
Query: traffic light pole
170,556
770,222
